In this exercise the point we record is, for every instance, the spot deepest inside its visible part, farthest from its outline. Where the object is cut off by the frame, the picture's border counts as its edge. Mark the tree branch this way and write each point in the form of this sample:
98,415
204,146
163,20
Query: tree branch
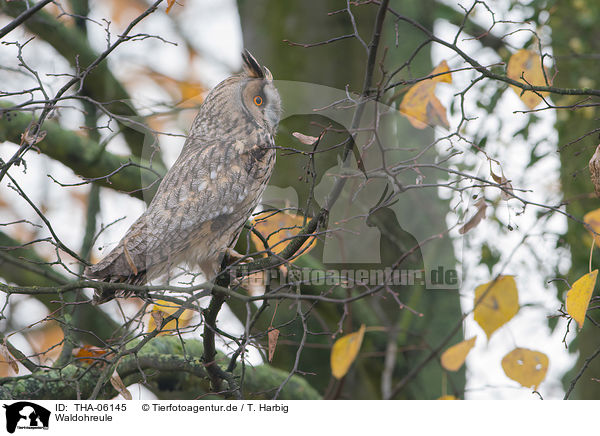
100,83
486,72
84,156
22,265
161,365
24,16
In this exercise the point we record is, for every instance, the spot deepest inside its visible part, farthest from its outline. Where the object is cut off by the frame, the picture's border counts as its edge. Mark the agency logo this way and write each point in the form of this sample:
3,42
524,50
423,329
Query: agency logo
26,415
387,225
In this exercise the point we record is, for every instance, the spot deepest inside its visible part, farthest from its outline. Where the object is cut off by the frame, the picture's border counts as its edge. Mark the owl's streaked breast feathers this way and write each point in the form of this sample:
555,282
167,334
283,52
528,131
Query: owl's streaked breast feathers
204,200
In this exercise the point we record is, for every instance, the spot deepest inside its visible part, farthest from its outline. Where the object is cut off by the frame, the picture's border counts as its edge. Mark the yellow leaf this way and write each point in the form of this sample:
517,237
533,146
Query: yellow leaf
344,352
170,4
525,366
123,12
192,93
279,229
167,308
47,341
89,354
421,106
496,303
528,65
436,113
63,12
187,93
447,397
578,297
592,219
454,357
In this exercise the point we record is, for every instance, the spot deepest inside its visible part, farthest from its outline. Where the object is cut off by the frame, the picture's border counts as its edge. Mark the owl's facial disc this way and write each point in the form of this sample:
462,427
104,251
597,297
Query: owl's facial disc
272,111
262,101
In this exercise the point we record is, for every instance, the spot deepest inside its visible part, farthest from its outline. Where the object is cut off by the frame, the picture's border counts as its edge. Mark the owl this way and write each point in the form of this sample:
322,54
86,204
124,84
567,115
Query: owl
209,193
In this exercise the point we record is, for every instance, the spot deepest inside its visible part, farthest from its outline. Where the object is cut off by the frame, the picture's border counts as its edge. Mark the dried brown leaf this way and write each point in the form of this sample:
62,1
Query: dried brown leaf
129,259
507,192
497,178
477,218
436,113
7,357
305,139
30,138
119,386
594,166
273,335
158,317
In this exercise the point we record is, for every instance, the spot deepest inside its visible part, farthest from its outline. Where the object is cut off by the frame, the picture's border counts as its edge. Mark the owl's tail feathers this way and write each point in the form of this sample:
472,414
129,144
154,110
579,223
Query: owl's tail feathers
109,270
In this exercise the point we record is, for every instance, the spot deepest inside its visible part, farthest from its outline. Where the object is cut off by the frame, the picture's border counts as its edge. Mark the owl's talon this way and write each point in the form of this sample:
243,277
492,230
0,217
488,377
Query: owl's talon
234,255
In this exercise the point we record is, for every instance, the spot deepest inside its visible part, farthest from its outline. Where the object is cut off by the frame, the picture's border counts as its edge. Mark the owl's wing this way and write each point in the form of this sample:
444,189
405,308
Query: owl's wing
199,207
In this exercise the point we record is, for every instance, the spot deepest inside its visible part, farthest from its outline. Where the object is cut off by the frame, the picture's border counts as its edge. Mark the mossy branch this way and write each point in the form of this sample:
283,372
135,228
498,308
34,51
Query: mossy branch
85,156
23,266
162,365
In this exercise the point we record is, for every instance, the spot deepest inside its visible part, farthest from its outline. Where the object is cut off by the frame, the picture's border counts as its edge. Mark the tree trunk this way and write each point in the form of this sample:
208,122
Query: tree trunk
575,36
341,64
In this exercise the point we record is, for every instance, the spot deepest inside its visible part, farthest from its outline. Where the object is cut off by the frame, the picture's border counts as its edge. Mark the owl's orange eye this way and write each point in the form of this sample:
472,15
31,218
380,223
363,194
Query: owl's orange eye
258,100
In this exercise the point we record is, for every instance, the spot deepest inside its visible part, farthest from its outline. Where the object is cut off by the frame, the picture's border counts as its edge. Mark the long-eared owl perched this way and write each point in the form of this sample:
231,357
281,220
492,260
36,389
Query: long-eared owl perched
211,190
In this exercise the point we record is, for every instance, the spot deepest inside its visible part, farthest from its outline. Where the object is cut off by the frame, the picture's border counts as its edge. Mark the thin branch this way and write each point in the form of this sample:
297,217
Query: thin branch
23,17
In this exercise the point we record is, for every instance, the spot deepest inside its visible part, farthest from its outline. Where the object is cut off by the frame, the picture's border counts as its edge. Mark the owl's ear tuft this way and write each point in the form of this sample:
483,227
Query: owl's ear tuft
251,66
268,74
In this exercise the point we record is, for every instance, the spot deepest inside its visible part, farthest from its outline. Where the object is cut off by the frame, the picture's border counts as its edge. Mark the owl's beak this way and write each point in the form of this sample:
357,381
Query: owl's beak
272,120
